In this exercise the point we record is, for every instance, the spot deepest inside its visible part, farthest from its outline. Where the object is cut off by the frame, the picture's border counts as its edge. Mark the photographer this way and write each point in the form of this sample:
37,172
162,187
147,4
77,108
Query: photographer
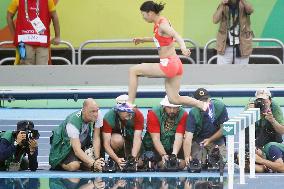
165,130
234,37
204,129
70,141
14,145
122,132
270,127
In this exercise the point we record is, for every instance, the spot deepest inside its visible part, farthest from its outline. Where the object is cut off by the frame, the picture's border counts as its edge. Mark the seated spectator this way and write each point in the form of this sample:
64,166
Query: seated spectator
14,147
74,135
122,131
204,129
165,130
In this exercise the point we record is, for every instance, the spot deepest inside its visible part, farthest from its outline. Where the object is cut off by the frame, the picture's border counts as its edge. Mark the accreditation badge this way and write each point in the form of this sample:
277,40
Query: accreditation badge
38,25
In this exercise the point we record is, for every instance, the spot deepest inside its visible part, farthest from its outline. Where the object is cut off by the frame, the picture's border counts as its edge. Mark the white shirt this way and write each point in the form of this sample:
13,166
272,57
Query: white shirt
73,132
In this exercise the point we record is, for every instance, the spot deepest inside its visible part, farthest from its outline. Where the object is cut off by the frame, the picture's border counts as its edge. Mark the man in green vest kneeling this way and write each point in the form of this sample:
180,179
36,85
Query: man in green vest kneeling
76,134
122,132
203,133
164,136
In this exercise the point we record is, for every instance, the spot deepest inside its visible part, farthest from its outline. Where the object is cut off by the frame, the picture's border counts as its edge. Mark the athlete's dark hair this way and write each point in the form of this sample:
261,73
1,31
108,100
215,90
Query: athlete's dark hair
148,6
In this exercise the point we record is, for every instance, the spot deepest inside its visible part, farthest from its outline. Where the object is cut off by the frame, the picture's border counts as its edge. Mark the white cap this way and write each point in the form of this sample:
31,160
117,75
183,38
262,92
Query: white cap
165,102
121,99
263,93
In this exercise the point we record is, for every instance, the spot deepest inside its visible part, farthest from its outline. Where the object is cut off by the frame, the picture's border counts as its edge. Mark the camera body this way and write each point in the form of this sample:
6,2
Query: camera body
194,166
172,164
149,162
31,134
131,165
259,103
214,161
110,166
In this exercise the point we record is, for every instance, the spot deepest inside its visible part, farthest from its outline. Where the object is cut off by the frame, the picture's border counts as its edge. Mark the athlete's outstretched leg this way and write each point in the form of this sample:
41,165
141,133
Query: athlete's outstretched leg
172,88
140,70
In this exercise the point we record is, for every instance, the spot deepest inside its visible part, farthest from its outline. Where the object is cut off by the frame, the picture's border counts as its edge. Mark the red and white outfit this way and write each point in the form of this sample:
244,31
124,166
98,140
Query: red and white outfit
172,65
25,32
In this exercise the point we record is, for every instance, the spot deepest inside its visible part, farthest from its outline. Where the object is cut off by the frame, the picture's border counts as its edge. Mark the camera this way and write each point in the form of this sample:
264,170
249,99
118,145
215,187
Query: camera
172,164
110,166
194,166
30,135
259,103
214,161
130,165
149,163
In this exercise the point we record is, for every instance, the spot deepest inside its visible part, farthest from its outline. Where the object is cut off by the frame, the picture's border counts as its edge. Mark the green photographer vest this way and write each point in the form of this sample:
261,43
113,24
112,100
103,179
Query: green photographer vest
112,118
167,137
8,135
60,142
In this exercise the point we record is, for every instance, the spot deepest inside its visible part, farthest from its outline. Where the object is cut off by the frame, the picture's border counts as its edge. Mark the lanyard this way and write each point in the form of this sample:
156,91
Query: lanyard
26,9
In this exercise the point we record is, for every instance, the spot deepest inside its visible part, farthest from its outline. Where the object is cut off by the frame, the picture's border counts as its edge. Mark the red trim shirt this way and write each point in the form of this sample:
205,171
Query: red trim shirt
138,122
153,124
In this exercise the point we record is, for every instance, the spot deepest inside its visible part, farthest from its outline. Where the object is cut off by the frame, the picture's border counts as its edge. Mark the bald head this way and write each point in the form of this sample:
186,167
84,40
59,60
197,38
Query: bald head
90,110
89,102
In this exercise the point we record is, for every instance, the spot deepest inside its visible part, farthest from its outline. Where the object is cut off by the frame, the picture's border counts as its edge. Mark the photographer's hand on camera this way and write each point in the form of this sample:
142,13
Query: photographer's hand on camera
32,146
98,165
205,142
165,158
269,117
20,137
121,162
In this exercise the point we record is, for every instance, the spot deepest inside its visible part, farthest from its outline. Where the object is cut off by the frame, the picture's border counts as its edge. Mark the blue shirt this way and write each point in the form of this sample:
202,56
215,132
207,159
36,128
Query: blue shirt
275,153
204,124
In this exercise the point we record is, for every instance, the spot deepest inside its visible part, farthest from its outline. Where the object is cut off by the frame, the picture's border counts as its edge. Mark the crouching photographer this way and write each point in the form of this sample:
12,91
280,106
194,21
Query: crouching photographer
270,126
165,130
15,145
204,143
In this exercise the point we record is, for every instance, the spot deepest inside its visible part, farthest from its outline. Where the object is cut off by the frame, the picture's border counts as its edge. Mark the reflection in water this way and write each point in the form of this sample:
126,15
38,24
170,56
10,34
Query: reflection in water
137,183
113,183
19,183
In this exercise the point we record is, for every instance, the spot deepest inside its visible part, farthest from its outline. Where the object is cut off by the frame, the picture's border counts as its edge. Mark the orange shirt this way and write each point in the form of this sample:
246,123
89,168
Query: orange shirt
13,7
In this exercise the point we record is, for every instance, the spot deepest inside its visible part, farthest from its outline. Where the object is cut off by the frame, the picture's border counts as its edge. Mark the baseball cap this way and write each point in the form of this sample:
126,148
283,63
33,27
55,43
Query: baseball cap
165,102
263,93
201,94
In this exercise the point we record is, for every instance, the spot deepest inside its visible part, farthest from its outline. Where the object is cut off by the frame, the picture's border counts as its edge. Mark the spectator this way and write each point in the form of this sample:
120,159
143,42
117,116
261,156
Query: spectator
234,37
165,130
74,135
122,131
204,129
14,147
32,29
